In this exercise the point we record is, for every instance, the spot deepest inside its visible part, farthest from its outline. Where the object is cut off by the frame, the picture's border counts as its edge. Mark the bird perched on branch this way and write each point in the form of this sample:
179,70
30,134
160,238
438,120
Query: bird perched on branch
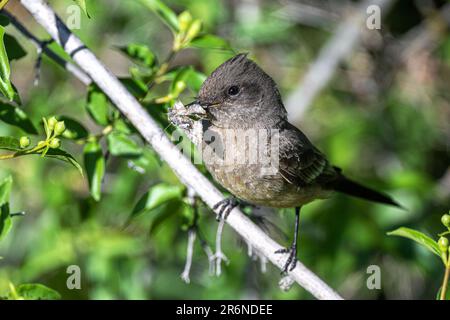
252,150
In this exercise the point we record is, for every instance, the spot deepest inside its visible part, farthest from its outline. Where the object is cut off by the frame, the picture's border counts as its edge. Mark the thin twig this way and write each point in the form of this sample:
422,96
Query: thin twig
189,253
445,281
156,137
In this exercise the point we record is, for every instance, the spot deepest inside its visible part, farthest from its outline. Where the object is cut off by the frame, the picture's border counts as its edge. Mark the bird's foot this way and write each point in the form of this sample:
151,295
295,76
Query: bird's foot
291,261
224,207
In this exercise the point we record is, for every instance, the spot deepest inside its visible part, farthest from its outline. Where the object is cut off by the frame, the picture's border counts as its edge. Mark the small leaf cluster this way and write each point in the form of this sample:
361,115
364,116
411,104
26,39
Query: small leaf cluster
31,291
438,247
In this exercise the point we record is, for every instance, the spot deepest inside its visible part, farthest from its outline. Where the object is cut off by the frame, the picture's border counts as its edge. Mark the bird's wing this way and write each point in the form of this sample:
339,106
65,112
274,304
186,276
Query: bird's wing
300,162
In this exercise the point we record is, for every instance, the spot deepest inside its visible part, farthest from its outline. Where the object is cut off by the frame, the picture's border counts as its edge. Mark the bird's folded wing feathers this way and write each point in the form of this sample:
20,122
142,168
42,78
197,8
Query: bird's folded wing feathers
301,163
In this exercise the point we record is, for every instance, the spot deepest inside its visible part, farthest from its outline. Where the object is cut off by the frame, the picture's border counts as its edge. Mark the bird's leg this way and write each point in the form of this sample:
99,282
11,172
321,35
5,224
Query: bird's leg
224,207
292,258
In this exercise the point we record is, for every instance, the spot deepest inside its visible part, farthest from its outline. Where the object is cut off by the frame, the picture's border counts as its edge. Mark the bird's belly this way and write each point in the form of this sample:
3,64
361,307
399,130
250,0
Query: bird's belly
246,183
255,180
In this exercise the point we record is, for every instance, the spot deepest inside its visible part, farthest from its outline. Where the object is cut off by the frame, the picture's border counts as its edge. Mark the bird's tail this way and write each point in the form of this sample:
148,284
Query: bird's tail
347,186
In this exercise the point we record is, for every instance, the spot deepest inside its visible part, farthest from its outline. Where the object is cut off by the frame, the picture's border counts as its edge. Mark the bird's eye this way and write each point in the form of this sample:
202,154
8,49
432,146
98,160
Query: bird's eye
233,90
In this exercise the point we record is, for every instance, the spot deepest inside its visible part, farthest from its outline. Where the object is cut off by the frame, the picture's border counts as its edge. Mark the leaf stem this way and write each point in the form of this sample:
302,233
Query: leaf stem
445,281
7,156
23,152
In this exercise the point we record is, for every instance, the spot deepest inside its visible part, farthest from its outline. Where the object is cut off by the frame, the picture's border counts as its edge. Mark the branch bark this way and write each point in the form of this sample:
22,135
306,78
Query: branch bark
154,135
336,50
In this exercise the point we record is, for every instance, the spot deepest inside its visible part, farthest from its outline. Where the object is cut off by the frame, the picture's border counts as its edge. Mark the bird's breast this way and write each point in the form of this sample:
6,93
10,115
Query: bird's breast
246,163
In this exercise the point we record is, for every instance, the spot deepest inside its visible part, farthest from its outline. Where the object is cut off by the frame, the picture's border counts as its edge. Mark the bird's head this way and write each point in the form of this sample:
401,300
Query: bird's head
240,94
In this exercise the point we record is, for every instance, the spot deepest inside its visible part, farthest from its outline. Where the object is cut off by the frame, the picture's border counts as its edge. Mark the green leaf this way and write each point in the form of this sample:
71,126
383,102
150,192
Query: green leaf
98,105
64,156
5,218
5,190
36,291
4,20
447,294
13,48
94,162
10,143
140,53
74,129
121,145
166,210
124,126
83,6
418,237
156,196
6,86
58,154
16,117
209,41
194,79
164,13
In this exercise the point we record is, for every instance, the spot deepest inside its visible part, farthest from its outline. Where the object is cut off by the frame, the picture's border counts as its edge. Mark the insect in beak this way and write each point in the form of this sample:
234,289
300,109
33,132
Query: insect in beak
196,111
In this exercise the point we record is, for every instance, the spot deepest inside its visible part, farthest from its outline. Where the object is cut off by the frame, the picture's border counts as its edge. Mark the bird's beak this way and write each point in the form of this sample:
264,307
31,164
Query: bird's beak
196,109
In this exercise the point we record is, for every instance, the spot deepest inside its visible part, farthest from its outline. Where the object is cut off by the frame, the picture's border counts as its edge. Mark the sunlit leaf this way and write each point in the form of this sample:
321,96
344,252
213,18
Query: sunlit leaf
121,145
140,53
156,196
6,86
94,162
193,78
83,6
210,41
98,105
124,126
168,209
164,12
5,218
10,143
447,294
418,237
5,189
37,292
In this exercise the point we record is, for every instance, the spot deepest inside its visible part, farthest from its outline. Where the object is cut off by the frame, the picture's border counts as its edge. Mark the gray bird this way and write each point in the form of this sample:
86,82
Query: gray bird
237,103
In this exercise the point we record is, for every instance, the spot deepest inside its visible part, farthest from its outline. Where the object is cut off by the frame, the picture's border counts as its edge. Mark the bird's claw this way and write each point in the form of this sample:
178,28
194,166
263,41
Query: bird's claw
224,208
291,261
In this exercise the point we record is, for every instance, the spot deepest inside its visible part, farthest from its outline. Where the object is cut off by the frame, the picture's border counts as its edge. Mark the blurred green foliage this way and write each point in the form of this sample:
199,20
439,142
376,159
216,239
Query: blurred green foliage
384,119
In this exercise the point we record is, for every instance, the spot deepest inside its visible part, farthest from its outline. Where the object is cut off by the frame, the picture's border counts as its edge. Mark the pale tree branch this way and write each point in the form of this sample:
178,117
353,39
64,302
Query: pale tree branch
337,49
42,47
155,136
